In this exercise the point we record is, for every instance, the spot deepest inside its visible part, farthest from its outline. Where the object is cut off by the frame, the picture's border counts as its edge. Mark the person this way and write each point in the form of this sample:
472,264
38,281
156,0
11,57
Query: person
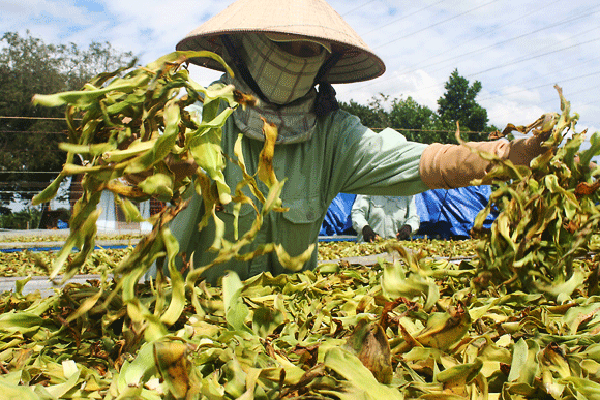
384,217
288,53
376,217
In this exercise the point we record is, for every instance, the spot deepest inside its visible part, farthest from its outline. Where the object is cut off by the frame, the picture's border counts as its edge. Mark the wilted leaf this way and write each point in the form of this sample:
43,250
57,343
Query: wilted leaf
173,365
370,344
350,367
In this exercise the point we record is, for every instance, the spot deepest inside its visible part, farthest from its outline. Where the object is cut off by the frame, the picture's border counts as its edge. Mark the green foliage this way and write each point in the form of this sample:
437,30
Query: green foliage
549,212
458,104
373,115
29,66
418,123
24,219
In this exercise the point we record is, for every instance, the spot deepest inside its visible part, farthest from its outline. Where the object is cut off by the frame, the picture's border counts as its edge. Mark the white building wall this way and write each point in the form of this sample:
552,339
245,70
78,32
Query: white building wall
109,223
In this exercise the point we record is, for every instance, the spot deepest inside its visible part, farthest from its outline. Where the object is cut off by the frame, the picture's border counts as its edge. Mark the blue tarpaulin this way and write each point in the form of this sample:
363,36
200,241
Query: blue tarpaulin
445,214
450,214
338,221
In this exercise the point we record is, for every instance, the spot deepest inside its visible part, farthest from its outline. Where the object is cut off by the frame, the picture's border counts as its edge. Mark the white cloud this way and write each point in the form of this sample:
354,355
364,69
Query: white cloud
420,42
517,94
168,22
419,85
20,14
17,9
503,112
203,76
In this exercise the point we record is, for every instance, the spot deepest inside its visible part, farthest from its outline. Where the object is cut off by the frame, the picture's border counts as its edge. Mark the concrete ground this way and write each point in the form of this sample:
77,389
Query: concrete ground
41,283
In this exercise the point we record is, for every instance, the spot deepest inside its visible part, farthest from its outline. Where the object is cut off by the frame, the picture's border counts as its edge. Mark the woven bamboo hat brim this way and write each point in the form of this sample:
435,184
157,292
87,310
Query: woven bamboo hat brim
298,18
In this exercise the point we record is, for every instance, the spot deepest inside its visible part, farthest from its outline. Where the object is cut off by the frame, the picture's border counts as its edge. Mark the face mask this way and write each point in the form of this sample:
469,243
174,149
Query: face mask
281,76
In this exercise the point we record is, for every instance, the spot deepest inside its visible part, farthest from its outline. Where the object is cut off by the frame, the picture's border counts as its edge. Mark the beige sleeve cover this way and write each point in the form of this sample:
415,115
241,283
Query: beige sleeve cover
446,166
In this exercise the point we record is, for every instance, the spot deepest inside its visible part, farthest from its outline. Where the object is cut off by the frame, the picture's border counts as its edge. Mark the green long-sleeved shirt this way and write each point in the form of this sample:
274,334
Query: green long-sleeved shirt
341,156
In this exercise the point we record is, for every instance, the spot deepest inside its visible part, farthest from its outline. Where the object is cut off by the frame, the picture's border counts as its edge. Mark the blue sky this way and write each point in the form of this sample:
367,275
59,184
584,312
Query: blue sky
517,49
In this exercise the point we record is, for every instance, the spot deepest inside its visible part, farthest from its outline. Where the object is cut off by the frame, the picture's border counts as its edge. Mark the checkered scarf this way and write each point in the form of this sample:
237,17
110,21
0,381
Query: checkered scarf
282,77
286,80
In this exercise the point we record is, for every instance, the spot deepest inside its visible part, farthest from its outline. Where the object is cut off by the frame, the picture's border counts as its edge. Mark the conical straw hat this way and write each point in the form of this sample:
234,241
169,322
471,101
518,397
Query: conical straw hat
298,18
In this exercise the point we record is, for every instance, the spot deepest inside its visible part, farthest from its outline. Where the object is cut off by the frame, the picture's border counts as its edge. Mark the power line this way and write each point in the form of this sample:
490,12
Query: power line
436,24
486,32
554,72
48,132
517,61
30,185
534,57
502,42
36,118
541,86
28,172
38,151
18,191
403,18
554,100
425,130
356,8
595,102
510,40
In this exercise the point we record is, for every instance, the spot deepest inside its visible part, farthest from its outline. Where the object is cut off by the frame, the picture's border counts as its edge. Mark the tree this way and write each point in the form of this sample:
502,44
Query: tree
417,119
416,122
458,104
372,115
29,135
419,123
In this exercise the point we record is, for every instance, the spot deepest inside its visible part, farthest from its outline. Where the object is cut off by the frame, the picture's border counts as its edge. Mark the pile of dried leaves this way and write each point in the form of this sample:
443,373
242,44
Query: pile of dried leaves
417,329
508,323
435,247
29,262
36,263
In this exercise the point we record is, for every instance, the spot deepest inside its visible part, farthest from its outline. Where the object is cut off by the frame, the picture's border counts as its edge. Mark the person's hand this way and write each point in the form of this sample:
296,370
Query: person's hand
404,232
368,234
446,166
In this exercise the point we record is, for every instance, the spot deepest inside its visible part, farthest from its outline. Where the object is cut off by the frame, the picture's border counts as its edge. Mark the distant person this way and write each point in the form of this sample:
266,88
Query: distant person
384,217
